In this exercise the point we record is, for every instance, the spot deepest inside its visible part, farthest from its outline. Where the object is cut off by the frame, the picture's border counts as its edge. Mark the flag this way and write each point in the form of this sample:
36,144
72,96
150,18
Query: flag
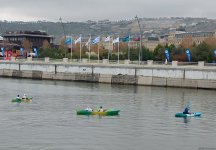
88,42
2,49
78,40
116,40
188,54
96,40
215,53
107,39
69,40
167,54
136,39
22,51
126,39
36,52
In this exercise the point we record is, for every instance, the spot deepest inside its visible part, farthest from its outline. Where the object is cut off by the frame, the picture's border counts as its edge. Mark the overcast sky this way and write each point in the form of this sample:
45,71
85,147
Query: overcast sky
83,10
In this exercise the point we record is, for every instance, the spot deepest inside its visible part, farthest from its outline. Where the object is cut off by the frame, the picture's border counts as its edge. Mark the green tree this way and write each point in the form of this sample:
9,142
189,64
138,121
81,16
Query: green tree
201,53
146,54
52,53
158,53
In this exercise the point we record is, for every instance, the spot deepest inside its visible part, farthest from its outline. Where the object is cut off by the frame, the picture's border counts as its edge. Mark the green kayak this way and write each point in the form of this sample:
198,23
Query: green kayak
19,100
108,112
195,114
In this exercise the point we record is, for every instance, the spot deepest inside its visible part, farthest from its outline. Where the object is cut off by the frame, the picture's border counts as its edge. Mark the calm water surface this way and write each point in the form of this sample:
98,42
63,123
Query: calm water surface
146,120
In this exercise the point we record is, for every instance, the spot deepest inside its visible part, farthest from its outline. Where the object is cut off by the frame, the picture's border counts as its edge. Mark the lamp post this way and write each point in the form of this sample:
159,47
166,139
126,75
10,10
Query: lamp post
2,36
140,51
64,32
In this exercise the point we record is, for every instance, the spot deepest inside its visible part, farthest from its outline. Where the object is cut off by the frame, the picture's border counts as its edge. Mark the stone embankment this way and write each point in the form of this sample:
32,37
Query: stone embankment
172,75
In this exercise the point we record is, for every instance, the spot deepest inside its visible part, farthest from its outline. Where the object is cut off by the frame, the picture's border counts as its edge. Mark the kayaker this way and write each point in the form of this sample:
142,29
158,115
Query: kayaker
89,109
24,96
186,110
100,109
18,97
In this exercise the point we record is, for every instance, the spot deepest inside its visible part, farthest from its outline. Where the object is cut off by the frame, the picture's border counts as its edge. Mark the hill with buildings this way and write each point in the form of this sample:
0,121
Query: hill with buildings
149,26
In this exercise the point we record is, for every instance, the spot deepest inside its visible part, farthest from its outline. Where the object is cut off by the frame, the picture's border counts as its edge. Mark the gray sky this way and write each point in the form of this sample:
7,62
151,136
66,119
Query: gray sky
83,10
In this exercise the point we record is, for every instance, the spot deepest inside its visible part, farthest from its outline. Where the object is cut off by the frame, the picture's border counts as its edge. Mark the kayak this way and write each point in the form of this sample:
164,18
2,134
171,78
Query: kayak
108,112
195,114
25,100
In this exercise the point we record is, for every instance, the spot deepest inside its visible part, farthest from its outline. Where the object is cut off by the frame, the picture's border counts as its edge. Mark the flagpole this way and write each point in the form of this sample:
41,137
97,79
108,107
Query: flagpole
80,48
98,54
108,51
118,52
109,45
71,49
89,48
129,48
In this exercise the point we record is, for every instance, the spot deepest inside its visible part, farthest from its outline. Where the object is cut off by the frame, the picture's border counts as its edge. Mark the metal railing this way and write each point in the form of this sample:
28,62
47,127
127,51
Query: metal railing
107,62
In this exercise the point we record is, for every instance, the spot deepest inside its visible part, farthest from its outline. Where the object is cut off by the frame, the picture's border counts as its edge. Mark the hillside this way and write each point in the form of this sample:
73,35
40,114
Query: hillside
149,26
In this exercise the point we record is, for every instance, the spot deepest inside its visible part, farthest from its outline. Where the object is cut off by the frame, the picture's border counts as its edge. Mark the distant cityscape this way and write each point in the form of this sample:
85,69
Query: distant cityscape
154,31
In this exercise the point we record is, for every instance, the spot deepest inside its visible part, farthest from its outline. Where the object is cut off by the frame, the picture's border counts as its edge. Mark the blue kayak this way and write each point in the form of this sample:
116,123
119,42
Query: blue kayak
195,114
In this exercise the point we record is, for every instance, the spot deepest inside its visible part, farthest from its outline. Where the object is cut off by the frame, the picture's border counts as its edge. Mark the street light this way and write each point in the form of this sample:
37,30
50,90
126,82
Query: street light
2,34
63,31
140,51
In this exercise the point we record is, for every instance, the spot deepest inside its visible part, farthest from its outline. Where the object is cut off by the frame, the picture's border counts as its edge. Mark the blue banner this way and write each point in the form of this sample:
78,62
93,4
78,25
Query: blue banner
22,51
215,53
36,52
167,54
2,49
188,54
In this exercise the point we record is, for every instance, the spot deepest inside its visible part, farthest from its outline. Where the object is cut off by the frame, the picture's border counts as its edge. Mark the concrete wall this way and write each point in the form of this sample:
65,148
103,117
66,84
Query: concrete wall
168,76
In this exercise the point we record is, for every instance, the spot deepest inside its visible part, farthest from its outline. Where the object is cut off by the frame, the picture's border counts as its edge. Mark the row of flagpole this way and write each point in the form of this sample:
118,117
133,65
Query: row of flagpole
95,41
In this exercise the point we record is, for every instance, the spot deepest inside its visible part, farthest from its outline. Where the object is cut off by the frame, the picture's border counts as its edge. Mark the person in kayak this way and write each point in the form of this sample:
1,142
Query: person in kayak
187,110
100,109
18,97
89,109
24,96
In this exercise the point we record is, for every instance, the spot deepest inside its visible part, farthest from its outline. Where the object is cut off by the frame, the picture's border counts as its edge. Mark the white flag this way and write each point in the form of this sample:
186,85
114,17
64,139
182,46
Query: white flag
107,39
88,42
116,40
78,40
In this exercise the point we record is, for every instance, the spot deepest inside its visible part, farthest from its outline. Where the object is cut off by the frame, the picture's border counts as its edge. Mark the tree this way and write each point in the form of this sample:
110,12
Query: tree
63,47
158,53
211,42
52,53
187,42
201,53
46,44
26,44
147,55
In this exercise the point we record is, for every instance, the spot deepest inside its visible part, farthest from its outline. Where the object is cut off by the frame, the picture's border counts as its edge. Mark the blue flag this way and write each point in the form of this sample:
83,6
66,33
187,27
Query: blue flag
96,40
2,49
126,39
69,40
167,54
36,52
215,53
188,54
22,51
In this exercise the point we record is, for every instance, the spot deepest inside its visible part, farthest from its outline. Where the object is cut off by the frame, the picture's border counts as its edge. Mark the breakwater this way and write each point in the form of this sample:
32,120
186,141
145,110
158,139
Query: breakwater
197,76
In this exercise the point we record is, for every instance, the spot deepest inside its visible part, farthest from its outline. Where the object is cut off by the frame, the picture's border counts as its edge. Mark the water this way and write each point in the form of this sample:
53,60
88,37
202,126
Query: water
146,120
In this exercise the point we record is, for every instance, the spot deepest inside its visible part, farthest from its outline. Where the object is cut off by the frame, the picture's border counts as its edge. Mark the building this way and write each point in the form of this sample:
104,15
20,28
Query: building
36,38
176,38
